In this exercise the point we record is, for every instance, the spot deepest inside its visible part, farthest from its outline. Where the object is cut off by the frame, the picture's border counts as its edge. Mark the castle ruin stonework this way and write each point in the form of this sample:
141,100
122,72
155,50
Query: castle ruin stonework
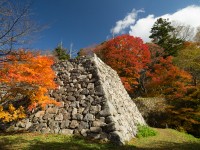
94,104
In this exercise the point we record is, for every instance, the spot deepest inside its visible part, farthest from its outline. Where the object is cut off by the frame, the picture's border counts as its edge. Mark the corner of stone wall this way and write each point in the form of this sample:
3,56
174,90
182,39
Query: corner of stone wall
124,115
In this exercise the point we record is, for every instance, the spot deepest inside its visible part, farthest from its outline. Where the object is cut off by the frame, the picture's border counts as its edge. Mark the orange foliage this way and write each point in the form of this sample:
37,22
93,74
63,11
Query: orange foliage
27,76
167,79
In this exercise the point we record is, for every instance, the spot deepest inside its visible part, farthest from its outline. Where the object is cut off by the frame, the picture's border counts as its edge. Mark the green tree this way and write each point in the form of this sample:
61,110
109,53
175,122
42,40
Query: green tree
162,34
61,53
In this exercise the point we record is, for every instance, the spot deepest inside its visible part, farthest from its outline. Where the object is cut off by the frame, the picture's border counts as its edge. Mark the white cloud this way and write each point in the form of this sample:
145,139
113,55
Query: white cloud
129,20
142,27
189,16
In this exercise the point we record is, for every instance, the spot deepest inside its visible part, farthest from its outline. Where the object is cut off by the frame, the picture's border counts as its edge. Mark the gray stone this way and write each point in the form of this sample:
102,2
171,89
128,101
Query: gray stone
82,77
91,91
74,124
90,86
69,94
56,130
66,116
35,120
80,110
84,132
117,137
41,126
95,109
95,129
90,76
21,124
84,85
28,125
83,125
71,98
104,137
110,127
88,117
55,95
95,136
102,119
85,92
81,97
63,111
48,116
109,119
45,130
67,131
83,103
59,117
70,89
73,104
52,124
74,111
39,114
90,98
105,112
99,91
60,82
65,124
53,110
87,108
98,123
77,117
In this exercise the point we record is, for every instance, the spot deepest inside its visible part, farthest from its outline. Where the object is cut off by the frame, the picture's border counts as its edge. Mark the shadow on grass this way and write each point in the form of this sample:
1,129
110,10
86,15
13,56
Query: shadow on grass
8,143
77,143
73,143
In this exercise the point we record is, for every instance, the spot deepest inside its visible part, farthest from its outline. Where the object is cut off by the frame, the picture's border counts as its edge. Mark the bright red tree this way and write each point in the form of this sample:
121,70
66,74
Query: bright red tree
127,55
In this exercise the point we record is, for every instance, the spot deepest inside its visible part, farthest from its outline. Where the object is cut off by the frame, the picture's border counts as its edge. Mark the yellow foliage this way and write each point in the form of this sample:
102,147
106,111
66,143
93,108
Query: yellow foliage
12,113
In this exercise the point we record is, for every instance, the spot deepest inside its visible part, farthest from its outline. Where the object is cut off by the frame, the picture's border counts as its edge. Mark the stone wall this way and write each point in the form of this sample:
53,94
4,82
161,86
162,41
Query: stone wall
93,101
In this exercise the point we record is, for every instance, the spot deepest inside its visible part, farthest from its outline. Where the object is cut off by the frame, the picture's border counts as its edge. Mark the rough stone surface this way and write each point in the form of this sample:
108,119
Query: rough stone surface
94,103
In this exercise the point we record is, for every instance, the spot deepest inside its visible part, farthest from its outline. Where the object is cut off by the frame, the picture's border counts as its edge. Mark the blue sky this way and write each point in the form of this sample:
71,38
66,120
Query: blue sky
89,22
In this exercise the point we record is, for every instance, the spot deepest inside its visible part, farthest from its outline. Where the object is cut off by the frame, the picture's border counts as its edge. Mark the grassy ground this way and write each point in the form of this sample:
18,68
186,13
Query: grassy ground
166,139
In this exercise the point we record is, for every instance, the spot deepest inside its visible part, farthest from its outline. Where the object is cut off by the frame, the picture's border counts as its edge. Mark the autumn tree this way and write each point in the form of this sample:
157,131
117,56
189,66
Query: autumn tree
189,60
26,77
182,99
129,56
16,25
163,74
162,34
166,79
156,53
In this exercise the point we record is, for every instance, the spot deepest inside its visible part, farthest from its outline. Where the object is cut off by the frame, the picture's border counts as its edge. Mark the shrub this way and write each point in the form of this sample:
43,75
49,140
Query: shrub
145,131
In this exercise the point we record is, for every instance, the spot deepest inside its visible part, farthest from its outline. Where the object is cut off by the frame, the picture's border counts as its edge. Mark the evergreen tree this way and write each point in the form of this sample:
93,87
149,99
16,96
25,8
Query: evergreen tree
61,53
162,34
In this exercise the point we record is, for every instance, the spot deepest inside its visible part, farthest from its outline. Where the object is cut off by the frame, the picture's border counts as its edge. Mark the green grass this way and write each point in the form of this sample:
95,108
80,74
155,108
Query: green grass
165,139
145,131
